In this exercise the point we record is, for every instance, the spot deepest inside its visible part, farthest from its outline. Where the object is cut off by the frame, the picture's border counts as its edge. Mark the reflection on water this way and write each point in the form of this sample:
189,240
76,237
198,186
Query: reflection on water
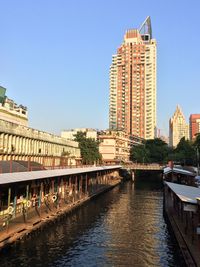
123,227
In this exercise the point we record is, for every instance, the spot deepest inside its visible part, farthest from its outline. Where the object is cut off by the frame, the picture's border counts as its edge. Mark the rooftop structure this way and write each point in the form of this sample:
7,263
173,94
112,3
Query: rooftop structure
70,134
10,111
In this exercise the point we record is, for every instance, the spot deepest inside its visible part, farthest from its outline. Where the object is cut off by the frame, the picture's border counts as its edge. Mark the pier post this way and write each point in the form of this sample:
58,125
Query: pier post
8,219
86,184
27,193
76,189
9,196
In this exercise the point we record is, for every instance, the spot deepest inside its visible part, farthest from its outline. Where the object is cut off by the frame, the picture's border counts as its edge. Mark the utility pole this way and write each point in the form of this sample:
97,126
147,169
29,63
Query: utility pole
197,160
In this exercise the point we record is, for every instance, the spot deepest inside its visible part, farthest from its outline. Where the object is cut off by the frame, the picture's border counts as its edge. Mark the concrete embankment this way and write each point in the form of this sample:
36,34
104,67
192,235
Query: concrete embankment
18,231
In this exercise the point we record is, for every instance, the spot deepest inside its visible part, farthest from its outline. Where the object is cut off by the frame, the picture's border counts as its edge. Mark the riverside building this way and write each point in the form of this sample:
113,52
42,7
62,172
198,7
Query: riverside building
194,125
18,142
178,127
132,105
10,111
115,145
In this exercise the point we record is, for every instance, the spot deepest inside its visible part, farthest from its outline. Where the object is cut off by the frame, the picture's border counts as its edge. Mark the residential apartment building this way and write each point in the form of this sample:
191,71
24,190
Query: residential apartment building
132,103
194,125
115,145
178,128
10,111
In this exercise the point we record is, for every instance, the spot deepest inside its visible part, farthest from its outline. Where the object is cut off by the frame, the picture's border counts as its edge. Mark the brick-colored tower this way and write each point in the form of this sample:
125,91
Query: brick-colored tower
194,125
133,84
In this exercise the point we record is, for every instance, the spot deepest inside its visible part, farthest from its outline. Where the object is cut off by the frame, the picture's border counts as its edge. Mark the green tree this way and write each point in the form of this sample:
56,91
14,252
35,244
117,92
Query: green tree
139,154
196,146
158,150
184,152
89,148
152,151
197,142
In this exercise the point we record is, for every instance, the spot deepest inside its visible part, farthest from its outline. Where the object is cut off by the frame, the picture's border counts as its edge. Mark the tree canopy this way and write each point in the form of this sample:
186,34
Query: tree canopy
153,150
156,150
89,148
184,153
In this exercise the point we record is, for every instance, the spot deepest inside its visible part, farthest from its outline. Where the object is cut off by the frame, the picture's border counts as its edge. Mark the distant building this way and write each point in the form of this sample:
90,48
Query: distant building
133,75
164,138
194,125
178,128
70,134
10,111
115,145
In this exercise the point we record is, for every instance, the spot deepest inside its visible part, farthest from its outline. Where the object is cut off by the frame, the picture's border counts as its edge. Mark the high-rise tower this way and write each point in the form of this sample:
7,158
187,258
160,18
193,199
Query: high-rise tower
133,83
178,127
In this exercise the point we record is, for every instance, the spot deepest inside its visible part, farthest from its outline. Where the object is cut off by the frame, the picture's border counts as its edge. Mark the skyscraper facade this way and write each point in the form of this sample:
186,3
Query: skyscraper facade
133,83
178,128
194,125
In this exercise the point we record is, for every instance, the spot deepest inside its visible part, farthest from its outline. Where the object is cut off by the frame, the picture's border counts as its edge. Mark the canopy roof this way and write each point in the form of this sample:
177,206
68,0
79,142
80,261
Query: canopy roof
185,193
177,170
8,178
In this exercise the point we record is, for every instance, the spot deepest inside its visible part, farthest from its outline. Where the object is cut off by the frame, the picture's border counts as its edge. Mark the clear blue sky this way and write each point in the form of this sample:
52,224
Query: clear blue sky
55,57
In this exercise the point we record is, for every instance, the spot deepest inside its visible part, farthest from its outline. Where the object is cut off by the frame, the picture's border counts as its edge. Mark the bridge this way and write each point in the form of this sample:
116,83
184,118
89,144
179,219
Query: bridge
145,166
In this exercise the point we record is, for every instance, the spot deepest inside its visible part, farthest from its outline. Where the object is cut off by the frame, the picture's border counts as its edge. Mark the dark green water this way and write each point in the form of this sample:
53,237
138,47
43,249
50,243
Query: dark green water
123,227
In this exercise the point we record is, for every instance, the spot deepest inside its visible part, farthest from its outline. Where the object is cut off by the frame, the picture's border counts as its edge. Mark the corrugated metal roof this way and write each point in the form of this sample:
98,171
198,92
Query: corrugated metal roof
7,178
19,166
186,193
177,170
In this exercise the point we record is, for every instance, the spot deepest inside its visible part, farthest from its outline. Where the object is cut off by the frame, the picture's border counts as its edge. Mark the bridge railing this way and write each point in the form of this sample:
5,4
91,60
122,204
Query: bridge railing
145,166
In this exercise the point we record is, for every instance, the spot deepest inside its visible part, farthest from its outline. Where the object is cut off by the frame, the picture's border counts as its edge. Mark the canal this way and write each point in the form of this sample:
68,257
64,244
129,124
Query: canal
123,227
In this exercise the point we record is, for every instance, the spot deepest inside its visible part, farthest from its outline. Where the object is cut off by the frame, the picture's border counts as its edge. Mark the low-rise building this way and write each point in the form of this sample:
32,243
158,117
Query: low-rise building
115,145
70,134
18,142
22,143
10,111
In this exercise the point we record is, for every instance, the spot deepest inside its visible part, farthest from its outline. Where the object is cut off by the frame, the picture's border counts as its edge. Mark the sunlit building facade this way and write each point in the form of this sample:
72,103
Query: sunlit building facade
178,127
115,145
133,70
70,134
10,111
194,125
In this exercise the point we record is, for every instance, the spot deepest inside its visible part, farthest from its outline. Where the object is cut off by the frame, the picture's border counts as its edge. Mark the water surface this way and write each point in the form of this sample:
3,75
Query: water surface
123,227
